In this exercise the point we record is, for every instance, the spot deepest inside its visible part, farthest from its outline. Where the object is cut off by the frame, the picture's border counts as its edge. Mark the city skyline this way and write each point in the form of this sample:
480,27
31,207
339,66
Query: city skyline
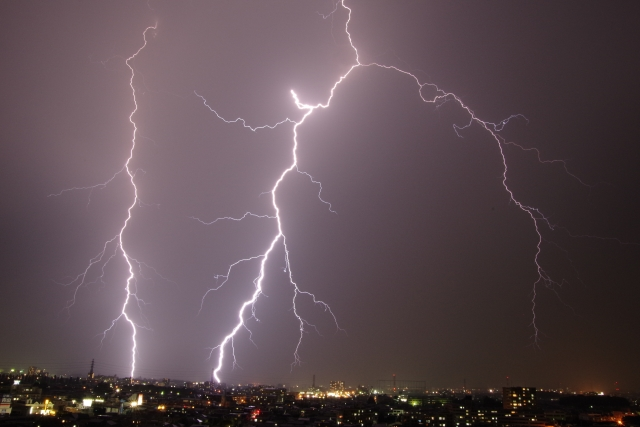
332,386
430,265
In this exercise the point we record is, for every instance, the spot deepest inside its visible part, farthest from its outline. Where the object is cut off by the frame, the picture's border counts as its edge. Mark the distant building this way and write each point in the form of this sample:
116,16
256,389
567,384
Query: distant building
516,419
467,412
423,399
25,392
515,398
336,385
5,405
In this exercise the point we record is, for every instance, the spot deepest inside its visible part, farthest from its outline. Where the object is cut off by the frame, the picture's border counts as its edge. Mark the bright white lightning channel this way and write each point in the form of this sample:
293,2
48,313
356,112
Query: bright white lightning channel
116,245
279,237
538,219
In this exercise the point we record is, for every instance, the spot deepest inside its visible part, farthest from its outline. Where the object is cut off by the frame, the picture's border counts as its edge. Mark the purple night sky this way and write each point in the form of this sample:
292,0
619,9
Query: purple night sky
427,264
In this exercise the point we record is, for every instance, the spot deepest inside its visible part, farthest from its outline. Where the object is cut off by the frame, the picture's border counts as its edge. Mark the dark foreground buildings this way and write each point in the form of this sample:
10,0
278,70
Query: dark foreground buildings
44,401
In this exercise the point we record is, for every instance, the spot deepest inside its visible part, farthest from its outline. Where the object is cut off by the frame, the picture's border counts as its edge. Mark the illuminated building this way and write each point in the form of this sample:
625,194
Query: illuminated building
5,405
515,398
336,385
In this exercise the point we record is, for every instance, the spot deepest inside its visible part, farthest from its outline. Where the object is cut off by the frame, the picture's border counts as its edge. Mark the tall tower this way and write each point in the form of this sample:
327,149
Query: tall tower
313,384
91,375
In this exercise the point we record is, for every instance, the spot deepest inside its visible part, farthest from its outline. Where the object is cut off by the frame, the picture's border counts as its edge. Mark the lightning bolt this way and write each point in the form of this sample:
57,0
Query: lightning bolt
115,246
279,238
538,219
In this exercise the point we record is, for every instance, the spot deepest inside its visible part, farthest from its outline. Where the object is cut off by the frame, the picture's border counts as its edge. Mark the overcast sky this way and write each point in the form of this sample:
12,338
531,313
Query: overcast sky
427,264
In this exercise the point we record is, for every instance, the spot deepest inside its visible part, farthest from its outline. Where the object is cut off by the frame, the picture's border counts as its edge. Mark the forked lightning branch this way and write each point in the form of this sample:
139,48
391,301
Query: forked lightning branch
222,351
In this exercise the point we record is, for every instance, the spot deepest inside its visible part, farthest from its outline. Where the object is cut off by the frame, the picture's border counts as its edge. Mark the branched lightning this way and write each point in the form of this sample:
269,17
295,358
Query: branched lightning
91,188
246,215
440,97
240,120
116,244
278,238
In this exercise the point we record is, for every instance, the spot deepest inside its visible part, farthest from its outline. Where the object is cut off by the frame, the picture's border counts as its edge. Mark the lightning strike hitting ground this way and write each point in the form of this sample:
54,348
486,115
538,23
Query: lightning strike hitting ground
538,219
117,243
115,246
